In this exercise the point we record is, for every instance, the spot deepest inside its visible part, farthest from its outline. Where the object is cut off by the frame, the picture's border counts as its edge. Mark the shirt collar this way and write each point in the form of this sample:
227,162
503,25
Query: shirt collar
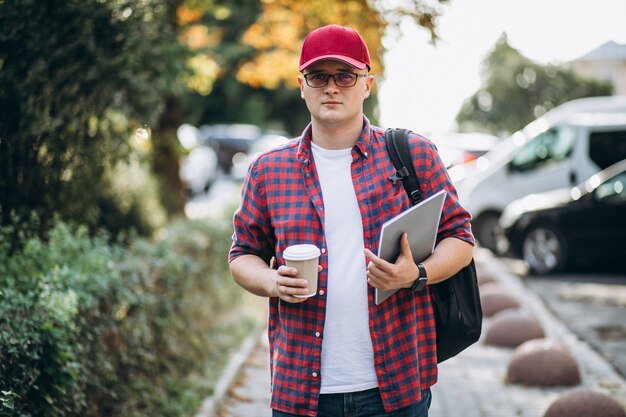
363,143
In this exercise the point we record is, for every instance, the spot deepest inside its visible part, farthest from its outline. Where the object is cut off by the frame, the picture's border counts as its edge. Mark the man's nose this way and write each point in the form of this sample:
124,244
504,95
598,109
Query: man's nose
328,84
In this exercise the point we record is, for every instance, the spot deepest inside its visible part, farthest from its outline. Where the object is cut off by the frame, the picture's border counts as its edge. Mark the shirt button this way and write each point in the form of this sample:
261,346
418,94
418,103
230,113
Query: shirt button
323,250
322,292
314,374
317,334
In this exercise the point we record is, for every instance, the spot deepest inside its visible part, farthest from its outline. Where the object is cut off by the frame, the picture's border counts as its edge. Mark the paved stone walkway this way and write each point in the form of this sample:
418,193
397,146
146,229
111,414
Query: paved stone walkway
471,384
249,396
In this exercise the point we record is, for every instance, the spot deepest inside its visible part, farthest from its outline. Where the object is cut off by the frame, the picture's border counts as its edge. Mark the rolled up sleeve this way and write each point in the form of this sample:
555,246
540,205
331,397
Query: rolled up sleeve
252,234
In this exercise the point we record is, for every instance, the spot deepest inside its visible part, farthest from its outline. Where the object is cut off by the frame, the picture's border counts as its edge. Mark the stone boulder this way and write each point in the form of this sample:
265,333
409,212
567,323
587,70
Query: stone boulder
511,328
541,362
485,277
494,298
585,403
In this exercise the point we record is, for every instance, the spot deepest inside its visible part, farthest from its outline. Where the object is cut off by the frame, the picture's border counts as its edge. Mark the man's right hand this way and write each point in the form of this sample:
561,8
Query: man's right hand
253,274
288,286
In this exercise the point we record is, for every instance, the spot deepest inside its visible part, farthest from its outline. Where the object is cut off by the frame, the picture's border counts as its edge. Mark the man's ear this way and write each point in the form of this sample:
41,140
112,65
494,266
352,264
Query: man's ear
369,81
301,84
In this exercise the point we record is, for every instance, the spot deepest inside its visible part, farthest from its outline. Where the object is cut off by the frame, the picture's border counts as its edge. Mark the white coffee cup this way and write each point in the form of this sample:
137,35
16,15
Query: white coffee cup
305,258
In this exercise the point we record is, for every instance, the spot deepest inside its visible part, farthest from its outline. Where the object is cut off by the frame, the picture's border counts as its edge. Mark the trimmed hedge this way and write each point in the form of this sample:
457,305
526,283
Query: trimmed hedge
94,328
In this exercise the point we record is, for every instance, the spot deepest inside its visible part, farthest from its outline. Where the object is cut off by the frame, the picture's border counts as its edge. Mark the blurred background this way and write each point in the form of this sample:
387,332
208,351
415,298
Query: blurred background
126,127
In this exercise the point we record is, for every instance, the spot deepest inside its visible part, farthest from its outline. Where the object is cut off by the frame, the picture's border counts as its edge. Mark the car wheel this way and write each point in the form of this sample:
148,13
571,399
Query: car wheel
486,230
544,249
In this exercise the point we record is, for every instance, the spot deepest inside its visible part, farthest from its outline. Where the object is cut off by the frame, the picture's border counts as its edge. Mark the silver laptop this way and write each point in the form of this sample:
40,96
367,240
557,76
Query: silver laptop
421,223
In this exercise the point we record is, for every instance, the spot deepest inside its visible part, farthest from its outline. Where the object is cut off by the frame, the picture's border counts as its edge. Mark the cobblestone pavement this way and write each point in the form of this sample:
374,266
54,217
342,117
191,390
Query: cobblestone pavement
602,297
471,384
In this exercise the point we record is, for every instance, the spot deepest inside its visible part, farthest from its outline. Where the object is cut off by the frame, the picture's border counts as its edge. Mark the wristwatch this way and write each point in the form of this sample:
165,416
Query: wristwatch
421,280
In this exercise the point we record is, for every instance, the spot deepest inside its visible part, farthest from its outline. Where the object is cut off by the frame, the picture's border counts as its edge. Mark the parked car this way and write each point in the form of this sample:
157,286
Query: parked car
266,143
198,170
230,142
461,148
559,149
570,226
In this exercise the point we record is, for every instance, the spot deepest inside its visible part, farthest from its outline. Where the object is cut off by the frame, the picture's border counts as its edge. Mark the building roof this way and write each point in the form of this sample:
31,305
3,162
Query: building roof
610,51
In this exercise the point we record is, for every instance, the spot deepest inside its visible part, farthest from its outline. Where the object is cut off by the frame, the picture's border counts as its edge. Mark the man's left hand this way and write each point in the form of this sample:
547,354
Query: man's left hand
390,276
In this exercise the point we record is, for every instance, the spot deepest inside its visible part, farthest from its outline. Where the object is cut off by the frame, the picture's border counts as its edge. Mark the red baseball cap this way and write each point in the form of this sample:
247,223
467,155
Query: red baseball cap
335,42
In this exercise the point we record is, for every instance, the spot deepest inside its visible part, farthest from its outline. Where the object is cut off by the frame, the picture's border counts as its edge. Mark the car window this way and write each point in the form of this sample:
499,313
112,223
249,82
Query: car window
552,146
613,189
607,148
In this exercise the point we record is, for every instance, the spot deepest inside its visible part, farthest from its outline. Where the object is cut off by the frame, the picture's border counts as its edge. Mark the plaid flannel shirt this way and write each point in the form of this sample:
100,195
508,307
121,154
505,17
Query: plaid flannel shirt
282,205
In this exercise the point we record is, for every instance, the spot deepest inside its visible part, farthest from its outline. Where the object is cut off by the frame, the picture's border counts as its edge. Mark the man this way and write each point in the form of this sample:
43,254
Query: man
338,353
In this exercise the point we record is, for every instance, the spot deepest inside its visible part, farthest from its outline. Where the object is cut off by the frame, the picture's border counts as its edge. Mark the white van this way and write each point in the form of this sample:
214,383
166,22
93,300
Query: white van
562,148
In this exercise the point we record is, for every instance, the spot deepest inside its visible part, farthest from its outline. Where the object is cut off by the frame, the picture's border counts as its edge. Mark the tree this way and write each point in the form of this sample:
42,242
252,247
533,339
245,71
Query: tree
275,39
77,78
258,49
517,90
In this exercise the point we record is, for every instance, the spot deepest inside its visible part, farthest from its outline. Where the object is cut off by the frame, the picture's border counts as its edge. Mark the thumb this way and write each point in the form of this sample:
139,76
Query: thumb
405,247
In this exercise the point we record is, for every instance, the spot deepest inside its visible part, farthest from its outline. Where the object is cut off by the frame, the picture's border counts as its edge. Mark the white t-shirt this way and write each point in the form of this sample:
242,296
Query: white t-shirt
347,352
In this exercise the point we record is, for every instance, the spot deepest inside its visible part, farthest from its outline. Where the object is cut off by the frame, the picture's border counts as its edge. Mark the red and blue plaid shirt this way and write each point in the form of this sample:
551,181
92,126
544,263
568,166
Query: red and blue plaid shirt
282,205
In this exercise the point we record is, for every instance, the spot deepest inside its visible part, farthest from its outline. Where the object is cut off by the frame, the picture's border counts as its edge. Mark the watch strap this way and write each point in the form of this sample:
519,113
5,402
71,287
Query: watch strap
421,280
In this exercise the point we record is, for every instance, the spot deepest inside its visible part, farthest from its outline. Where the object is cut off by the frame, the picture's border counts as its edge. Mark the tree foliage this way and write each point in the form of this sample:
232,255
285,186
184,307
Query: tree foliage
517,90
274,42
277,34
256,46
77,78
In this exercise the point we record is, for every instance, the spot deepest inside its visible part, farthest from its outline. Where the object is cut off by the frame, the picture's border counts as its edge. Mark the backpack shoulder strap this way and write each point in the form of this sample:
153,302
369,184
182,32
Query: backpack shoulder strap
397,144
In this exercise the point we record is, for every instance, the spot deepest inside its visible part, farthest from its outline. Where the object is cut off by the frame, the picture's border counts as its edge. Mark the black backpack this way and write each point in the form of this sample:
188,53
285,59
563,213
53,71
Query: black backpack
456,301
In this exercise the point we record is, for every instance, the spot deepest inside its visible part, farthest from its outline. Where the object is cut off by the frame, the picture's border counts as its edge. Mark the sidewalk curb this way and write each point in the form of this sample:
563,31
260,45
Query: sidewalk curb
211,404
597,372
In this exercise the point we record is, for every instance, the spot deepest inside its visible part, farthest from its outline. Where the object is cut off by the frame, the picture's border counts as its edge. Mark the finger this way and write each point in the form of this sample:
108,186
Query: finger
405,247
291,299
290,282
287,271
377,281
290,294
370,255
375,261
372,268
373,279
376,275
372,283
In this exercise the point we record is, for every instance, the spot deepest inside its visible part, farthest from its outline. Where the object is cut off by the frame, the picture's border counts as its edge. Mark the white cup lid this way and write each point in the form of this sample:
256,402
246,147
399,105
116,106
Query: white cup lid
301,252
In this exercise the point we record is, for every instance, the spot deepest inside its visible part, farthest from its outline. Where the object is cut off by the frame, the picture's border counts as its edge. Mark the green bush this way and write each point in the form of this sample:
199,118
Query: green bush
94,328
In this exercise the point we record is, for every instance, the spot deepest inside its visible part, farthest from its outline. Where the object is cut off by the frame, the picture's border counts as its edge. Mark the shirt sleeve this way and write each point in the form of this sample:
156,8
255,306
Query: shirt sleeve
455,220
252,234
